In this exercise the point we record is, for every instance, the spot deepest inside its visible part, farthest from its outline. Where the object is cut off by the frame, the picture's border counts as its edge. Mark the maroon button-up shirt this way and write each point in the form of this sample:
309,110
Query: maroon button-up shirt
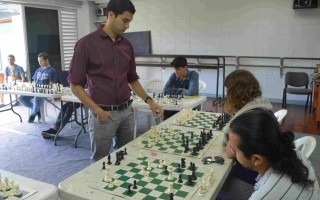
109,67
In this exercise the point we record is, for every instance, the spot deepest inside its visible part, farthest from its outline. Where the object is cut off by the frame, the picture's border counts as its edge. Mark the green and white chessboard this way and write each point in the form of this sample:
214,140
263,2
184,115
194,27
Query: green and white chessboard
171,141
202,120
157,186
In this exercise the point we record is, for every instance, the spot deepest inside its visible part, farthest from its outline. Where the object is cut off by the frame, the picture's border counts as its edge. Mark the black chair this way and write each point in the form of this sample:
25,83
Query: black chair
299,82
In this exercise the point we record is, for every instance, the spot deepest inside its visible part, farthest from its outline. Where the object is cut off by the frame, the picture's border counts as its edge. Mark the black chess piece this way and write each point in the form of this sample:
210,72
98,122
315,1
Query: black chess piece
183,143
214,125
129,191
190,166
121,154
179,168
109,160
165,171
171,196
190,181
134,184
220,126
193,176
194,151
117,159
103,165
183,163
186,148
180,178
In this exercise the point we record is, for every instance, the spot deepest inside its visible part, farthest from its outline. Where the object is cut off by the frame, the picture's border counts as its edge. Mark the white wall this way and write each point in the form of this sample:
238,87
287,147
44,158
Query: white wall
230,27
12,42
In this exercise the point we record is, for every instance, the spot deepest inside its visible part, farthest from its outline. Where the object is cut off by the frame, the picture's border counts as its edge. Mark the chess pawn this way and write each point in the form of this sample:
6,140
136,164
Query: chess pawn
6,182
17,191
204,185
201,191
212,172
160,166
170,188
141,154
149,166
211,179
146,178
142,170
107,177
111,185
115,181
170,177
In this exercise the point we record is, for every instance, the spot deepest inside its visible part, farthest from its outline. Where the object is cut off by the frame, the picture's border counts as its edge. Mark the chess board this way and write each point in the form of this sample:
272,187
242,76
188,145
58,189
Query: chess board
157,186
171,141
200,120
11,195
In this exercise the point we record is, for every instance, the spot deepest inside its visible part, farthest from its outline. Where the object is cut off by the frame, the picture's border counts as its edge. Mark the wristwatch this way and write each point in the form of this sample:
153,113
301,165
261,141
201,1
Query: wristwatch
146,99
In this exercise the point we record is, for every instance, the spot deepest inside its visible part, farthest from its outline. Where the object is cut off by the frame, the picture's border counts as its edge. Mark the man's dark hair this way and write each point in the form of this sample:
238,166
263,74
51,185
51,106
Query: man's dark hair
120,6
11,56
260,133
43,55
179,61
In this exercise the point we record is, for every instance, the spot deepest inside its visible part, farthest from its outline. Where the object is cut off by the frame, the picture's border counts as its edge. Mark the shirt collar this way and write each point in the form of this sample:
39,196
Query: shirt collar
188,77
104,34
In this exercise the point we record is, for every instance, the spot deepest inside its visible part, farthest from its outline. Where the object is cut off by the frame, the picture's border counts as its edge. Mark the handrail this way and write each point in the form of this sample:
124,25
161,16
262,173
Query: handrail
236,61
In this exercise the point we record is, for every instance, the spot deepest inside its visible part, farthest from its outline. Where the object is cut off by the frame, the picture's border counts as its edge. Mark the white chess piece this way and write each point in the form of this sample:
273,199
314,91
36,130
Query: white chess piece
17,190
170,188
111,185
212,171
201,191
107,177
209,181
115,181
170,177
204,186
141,154
149,166
160,166
146,178
142,170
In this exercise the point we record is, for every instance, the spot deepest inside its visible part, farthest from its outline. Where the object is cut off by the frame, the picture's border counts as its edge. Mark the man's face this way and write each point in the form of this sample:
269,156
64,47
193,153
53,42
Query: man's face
42,62
234,141
181,72
120,23
11,60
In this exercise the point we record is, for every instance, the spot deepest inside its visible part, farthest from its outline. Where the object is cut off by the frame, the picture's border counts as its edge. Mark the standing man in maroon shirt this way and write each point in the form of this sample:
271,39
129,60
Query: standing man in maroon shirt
107,60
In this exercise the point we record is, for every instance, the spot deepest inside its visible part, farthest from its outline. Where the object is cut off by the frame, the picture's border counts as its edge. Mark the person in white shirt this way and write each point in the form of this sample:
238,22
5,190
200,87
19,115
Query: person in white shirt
258,143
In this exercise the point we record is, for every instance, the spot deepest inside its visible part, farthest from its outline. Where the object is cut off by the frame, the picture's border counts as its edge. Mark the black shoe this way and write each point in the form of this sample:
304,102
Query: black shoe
31,118
49,134
39,116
